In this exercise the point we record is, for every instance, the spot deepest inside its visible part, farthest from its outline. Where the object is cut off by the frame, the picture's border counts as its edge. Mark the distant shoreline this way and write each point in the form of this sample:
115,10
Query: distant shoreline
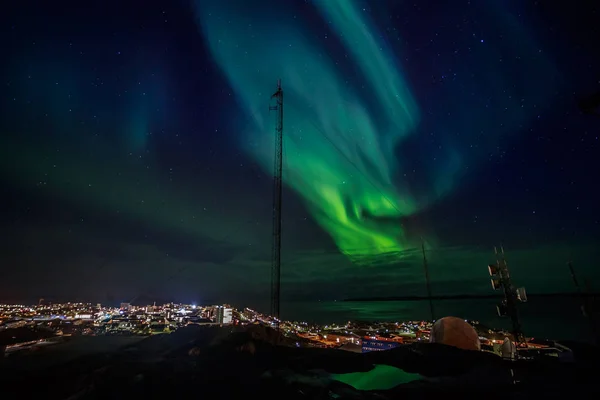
466,297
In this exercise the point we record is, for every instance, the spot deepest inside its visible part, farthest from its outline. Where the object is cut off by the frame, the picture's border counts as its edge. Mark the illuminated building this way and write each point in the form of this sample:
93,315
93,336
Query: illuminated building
227,316
223,315
377,343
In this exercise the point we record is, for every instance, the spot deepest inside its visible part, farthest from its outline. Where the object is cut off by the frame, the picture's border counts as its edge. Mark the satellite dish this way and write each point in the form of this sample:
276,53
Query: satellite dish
522,295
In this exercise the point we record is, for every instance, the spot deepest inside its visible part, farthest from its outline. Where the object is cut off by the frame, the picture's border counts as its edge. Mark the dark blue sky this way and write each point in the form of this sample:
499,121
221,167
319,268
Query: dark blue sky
125,176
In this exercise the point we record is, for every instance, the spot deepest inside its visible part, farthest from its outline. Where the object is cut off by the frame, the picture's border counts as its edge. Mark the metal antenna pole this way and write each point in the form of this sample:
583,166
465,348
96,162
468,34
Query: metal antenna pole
428,283
277,197
585,304
510,296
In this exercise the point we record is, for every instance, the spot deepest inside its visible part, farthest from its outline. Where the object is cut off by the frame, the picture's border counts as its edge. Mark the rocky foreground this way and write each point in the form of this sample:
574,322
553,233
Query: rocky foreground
200,362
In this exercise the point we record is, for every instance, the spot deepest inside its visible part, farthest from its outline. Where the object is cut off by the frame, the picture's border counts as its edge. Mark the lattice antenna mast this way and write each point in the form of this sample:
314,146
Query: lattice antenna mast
512,296
427,281
277,197
586,307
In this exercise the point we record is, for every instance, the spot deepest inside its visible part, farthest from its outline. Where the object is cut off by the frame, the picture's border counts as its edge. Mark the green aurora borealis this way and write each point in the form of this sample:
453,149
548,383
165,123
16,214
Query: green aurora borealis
318,103
340,141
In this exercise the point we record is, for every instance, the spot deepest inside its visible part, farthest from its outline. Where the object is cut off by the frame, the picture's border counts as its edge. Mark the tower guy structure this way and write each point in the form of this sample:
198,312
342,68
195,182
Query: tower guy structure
277,196
508,307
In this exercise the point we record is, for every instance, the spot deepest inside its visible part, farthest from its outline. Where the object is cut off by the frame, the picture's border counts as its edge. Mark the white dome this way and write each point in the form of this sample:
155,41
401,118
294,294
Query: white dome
453,331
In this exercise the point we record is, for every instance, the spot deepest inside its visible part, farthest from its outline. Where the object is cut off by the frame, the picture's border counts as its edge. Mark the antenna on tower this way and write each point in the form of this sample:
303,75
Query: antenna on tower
586,308
277,197
508,307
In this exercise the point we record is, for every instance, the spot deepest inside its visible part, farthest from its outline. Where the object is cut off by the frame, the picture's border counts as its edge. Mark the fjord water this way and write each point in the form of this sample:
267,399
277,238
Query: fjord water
544,317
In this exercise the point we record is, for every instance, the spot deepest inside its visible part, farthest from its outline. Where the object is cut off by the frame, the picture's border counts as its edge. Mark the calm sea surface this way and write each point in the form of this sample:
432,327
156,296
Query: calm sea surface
552,318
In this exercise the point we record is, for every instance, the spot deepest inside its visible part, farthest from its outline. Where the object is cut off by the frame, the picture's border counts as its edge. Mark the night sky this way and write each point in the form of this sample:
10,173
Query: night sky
136,147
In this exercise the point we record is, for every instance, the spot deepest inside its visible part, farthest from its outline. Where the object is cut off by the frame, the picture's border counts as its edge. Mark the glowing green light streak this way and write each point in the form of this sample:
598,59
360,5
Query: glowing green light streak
339,156
357,34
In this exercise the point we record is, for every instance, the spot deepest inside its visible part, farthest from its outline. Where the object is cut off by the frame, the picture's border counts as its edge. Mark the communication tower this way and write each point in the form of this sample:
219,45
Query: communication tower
277,196
586,305
427,281
508,307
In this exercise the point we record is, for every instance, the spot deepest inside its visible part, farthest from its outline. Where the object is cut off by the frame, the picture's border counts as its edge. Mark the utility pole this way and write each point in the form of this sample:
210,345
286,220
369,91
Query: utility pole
277,196
427,282
501,280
